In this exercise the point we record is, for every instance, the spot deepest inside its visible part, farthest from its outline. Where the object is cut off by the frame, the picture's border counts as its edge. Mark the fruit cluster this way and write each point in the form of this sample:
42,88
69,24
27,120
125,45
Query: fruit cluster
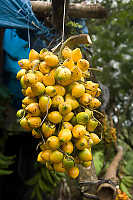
121,195
58,107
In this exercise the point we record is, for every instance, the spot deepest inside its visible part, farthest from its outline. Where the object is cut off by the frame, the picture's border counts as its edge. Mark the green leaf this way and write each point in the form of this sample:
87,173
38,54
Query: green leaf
5,172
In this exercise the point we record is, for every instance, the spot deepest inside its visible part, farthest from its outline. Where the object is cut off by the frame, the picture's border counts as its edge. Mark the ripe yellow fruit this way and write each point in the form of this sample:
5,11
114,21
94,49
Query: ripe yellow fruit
30,79
34,122
27,100
60,90
94,103
49,79
85,99
33,109
56,100
58,167
36,134
39,158
44,68
74,103
65,135
39,76
76,54
38,89
48,130
62,74
76,73
50,91
46,155
33,55
78,131
24,124
20,73
78,90
24,64
68,147
55,117
83,64
65,108
81,143
45,103
30,93
68,63
67,125
56,156
51,60
94,138
43,53
82,118
23,83
68,117
73,172
35,65
67,52
53,142
85,155
91,125
90,85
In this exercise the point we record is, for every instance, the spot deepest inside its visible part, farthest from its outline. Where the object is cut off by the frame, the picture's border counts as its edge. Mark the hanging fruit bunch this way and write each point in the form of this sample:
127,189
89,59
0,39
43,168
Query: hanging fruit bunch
121,195
58,107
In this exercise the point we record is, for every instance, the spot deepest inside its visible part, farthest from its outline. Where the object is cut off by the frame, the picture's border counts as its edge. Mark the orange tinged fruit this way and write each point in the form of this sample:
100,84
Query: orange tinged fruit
85,99
94,138
58,167
78,131
24,124
56,100
76,73
74,103
44,68
83,64
85,155
27,100
65,135
35,65
82,118
33,55
67,125
51,60
66,82
38,89
24,64
68,162
94,103
39,158
66,52
29,92
56,156
48,130
60,90
68,117
43,53
78,90
81,143
34,122
39,76
65,108
76,54
62,74
73,172
55,117
86,164
90,85
33,109
49,79
36,134
91,125
46,155
45,103
30,79
53,142
68,147
23,92
20,73
50,91
68,63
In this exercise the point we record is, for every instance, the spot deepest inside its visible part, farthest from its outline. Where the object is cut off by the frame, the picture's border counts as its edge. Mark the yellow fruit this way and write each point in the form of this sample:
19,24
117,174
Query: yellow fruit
48,130
35,65
89,85
30,79
60,90
50,91
81,143
56,156
65,135
55,117
85,99
44,68
51,60
83,64
76,54
91,125
39,76
86,164
29,92
66,52
24,124
73,172
24,64
23,92
39,158
27,100
68,147
20,113
36,134
45,103
68,63
33,55
98,92
66,82
74,103
76,73
58,167
85,155
38,89
20,73
43,53
94,138
67,125
78,131
46,155
94,103
89,113
49,79
57,100
78,90
82,118
62,74
23,83
68,117
33,109
34,122
68,162
65,108
53,142
23,106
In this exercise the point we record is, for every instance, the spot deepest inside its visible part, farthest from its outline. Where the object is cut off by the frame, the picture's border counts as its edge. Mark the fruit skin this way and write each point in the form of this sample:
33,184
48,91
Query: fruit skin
83,64
78,90
94,103
24,124
49,79
38,89
55,117
68,162
68,63
44,68
47,130
33,109
62,74
85,155
67,125
82,118
89,85
68,147
78,131
20,73
85,99
56,156
66,52
53,142
73,172
50,91
65,108
36,134
30,79
56,100
65,135
58,167
39,158
91,125
51,60
33,55
81,143
68,117
24,64
60,90
86,163
39,76
20,113
76,54
94,138
46,155
34,122
76,73
27,100
44,103
74,103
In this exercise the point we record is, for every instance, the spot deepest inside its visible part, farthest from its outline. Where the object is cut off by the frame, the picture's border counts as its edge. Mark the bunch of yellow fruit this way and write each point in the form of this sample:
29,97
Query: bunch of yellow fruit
58,108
